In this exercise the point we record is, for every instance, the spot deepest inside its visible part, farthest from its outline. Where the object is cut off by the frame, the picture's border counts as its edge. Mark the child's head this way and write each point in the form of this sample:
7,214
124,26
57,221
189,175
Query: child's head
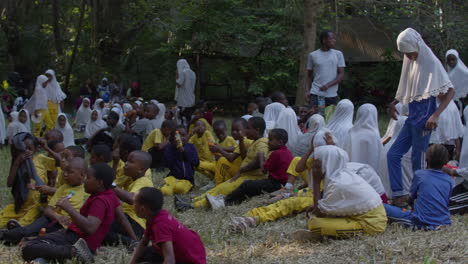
183,133
69,153
169,115
94,115
168,127
86,103
251,107
199,128
62,121
261,107
23,116
148,202
137,163
101,104
238,127
30,145
112,119
219,128
75,172
127,144
277,138
279,97
437,156
151,111
99,178
255,128
56,146
53,134
100,153
303,110
197,114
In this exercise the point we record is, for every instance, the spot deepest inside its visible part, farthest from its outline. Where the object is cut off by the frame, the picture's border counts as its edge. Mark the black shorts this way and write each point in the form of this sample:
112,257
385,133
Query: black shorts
328,100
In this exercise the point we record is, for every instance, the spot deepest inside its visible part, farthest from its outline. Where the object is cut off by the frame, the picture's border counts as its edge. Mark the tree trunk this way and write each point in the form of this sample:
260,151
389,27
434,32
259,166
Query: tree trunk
311,8
10,27
75,44
57,37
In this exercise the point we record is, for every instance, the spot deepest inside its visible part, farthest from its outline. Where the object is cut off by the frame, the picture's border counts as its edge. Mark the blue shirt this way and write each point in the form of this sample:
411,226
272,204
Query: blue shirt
180,163
431,189
419,112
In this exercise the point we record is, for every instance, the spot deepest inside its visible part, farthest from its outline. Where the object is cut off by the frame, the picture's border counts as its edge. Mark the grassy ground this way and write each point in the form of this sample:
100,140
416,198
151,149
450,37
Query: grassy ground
270,242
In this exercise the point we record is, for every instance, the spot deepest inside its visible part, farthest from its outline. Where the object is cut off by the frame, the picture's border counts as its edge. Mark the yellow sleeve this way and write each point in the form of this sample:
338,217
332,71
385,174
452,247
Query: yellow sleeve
140,183
59,193
228,142
76,200
121,180
262,146
59,181
155,137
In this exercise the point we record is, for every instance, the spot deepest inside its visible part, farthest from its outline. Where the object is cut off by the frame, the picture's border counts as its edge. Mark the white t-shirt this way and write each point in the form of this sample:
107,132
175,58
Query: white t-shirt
325,65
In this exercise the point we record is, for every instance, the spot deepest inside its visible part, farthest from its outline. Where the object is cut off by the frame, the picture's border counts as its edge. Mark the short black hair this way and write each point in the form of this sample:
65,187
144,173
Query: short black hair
151,198
144,158
129,142
52,143
258,123
437,156
152,107
104,173
172,124
219,123
240,120
280,134
275,97
323,35
77,151
113,115
55,134
79,162
103,151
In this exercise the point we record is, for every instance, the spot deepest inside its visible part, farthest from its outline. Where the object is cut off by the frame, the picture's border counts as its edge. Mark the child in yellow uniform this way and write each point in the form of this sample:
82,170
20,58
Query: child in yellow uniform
157,140
202,139
54,218
226,142
198,116
249,170
136,165
180,157
229,162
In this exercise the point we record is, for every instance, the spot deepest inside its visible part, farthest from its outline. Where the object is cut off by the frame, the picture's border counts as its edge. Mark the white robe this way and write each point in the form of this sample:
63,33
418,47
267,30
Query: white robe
67,131
27,124
83,114
272,112
185,89
93,126
458,76
341,121
287,120
54,91
449,128
313,124
39,98
159,119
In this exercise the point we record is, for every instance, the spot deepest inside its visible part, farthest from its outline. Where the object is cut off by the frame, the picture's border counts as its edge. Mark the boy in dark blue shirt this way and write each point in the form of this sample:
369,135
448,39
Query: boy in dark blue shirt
431,190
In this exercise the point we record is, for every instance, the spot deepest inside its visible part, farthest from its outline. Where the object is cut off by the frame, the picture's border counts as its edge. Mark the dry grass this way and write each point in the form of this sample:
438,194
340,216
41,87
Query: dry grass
270,242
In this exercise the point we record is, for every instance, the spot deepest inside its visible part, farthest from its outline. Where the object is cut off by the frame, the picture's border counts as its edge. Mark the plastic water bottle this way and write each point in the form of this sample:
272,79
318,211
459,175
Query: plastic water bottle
321,105
178,139
70,195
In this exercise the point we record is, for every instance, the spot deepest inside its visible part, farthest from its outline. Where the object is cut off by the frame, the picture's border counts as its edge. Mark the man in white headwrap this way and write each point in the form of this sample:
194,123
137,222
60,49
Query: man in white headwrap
55,97
458,74
423,78
185,88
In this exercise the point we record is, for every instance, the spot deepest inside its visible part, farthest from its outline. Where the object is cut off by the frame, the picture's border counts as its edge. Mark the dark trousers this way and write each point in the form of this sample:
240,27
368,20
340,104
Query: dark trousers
157,158
117,234
251,188
51,246
328,100
151,256
16,234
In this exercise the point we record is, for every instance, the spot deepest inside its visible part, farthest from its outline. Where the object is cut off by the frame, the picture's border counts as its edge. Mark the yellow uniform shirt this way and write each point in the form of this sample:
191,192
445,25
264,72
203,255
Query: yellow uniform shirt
155,137
202,146
134,187
76,200
247,144
259,145
123,181
59,181
228,142
44,164
207,126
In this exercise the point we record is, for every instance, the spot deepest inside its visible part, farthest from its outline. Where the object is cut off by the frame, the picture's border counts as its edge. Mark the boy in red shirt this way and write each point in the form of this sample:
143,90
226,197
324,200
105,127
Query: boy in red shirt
171,241
88,227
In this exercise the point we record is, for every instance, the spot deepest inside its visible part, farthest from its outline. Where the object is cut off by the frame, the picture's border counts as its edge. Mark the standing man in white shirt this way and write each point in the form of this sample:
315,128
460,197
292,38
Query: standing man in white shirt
327,66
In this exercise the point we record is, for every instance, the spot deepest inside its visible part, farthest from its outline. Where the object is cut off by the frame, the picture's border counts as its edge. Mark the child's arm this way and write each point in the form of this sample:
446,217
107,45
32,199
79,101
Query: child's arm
56,156
261,160
88,225
124,196
302,164
253,165
51,214
242,148
225,152
139,250
167,251
123,222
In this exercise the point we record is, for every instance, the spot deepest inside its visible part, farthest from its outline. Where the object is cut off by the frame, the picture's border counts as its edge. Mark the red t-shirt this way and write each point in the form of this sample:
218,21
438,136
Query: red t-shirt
188,247
278,163
101,205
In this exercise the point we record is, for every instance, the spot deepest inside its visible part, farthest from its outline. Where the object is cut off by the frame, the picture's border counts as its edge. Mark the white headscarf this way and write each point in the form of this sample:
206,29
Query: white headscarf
2,126
67,131
246,117
423,77
345,193
39,98
363,142
14,127
127,108
83,114
287,120
341,121
272,112
184,95
160,117
93,126
458,76
449,127
28,120
319,138
368,174
314,124
154,101
118,109
98,108
54,91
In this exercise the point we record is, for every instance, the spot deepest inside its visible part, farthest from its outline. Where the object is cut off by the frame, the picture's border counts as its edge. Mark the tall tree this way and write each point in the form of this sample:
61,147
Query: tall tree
55,23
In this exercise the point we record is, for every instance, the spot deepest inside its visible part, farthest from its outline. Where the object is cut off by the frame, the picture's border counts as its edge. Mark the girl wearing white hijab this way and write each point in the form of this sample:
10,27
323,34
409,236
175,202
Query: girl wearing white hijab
94,124
63,126
349,205
287,120
37,106
97,106
272,112
118,109
27,122
341,121
14,127
458,74
363,143
313,125
185,84
83,114
423,78
160,116
449,130
55,95
2,126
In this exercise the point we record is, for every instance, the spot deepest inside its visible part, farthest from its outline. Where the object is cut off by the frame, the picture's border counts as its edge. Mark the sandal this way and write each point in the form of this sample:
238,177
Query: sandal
12,224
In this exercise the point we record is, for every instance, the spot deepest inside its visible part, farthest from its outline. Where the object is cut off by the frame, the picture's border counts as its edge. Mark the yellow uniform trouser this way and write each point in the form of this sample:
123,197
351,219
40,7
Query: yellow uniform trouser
370,223
281,208
292,170
224,188
25,215
52,116
207,168
173,185
37,127
224,169
329,110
